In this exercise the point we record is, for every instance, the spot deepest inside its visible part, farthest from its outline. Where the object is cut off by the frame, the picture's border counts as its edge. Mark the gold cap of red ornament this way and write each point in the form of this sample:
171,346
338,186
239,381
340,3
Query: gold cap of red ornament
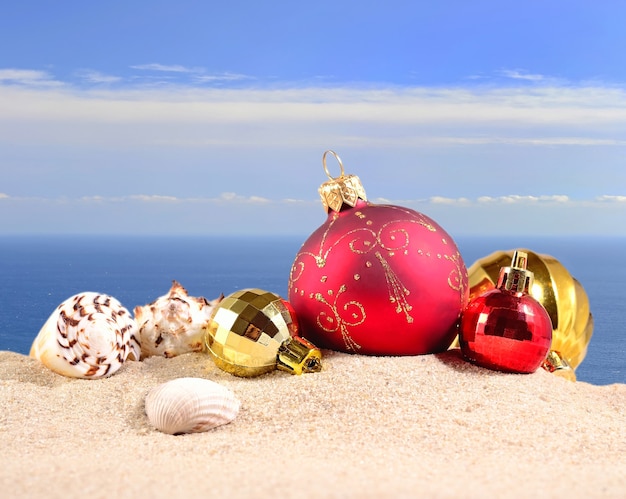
516,278
345,189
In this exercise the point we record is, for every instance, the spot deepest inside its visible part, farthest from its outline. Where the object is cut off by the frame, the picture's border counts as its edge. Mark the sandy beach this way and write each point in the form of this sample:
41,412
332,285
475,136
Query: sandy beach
426,426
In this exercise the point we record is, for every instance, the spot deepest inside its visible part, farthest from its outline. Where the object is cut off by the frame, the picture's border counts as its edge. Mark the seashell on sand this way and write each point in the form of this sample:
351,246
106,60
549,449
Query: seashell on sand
173,324
190,405
89,335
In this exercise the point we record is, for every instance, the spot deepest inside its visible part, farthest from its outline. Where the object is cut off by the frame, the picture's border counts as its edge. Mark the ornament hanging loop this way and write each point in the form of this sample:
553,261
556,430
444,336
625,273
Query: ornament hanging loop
342,190
338,161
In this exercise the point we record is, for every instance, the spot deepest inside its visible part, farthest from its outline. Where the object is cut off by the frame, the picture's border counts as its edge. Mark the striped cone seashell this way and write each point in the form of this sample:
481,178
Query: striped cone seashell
190,405
173,324
89,335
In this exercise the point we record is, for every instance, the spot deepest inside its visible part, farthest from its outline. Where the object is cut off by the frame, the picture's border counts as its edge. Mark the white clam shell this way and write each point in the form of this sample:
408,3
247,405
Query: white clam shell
190,405
173,324
89,335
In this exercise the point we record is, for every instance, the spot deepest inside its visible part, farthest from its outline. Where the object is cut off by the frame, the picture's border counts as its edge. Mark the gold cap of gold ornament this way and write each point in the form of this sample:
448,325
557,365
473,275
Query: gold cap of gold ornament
516,278
297,355
345,189
251,332
558,365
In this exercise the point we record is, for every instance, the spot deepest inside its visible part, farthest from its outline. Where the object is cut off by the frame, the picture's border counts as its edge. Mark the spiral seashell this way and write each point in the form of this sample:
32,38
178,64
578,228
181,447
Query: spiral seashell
173,324
190,405
89,335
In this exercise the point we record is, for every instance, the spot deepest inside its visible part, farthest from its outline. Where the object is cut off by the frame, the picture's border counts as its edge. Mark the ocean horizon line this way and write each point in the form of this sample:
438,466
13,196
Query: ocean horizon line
507,235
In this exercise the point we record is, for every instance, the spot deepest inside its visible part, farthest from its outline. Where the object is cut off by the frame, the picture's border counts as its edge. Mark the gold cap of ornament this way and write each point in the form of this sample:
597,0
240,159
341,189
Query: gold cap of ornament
516,278
297,355
557,365
345,189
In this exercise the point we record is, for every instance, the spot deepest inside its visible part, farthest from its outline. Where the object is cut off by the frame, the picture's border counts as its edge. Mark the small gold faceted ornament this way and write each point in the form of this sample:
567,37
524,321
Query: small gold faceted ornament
561,295
252,332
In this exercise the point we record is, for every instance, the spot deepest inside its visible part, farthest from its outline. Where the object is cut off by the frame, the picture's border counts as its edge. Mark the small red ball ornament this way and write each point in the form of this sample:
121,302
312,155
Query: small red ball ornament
560,293
506,329
376,279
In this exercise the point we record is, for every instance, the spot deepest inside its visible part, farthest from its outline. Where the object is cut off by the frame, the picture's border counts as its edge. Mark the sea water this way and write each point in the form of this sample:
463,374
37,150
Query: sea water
38,272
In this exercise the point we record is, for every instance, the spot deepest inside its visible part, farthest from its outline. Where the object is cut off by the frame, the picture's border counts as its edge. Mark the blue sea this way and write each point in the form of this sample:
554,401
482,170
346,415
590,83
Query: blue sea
40,271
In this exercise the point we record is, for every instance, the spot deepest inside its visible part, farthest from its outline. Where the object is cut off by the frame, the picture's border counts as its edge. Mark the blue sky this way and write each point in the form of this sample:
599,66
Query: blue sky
492,117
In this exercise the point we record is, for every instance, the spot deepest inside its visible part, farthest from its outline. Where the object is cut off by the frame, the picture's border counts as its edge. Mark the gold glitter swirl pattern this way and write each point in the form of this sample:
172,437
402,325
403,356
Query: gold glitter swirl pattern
355,312
455,278
397,291
297,270
365,239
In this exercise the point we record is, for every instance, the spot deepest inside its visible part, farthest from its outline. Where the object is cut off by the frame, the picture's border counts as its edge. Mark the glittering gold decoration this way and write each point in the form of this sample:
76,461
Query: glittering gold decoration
354,315
389,237
561,295
252,332
346,189
397,291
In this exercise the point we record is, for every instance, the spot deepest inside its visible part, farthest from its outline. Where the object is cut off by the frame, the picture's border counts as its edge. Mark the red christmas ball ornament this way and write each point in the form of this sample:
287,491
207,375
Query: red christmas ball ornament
376,279
506,329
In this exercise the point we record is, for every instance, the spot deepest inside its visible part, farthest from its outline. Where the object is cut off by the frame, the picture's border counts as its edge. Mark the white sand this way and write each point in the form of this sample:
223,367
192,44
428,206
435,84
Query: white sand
427,426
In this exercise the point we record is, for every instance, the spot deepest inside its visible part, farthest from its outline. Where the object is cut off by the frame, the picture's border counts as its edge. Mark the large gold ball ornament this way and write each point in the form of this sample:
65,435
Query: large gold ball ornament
561,295
252,332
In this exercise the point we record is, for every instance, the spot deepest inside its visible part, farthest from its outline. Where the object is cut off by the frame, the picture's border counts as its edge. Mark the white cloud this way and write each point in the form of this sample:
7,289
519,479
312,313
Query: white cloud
234,213
27,77
177,118
168,68
450,201
519,74
516,198
190,77
297,201
231,197
562,141
609,198
258,199
234,198
92,76
380,200
557,198
226,197
221,77
524,141
419,109
153,198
